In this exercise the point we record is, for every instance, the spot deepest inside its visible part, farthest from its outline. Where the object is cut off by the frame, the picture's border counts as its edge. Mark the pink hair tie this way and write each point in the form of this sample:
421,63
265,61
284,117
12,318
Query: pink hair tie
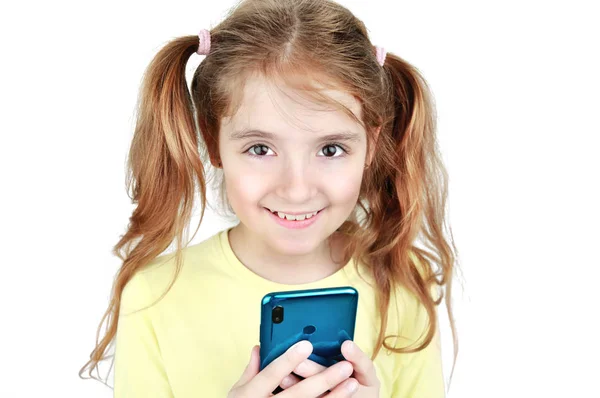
204,43
381,53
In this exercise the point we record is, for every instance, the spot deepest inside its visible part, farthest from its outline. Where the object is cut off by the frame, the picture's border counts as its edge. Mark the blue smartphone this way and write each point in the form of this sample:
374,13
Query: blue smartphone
325,317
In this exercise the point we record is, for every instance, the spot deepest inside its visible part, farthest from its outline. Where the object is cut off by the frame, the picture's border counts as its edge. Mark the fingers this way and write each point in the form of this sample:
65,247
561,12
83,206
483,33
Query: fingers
345,389
289,381
272,375
321,382
308,368
364,370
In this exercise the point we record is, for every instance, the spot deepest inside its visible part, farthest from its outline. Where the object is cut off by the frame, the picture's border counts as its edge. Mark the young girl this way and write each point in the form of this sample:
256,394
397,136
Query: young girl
325,151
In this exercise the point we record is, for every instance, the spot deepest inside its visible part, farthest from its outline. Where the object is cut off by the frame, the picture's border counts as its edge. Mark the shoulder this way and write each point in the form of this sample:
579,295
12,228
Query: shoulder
426,273
135,295
192,255
407,312
149,282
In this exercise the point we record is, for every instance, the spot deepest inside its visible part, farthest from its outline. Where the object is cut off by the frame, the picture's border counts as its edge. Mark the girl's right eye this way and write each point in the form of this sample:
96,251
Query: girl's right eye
259,149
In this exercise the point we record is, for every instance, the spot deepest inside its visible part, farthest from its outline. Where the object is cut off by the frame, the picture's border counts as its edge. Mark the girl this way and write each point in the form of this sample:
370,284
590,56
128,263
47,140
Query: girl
325,151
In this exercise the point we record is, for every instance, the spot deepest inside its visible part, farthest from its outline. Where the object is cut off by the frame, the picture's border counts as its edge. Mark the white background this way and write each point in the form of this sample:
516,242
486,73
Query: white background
516,85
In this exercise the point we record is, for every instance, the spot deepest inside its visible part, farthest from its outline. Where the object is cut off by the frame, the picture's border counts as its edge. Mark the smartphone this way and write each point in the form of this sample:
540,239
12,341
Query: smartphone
325,317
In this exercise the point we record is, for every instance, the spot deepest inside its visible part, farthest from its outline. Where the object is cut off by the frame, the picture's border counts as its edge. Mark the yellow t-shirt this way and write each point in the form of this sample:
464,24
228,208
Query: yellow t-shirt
196,341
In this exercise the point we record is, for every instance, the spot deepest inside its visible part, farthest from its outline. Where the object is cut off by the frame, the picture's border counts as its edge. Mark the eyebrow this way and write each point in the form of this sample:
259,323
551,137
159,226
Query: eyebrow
347,136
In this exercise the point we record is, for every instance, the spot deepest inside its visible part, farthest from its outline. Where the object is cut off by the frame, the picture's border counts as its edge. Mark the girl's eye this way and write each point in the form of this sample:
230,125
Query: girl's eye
331,150
260,150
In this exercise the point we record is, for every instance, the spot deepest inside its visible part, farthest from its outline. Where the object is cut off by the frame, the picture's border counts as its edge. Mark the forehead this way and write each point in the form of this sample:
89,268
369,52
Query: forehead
272,106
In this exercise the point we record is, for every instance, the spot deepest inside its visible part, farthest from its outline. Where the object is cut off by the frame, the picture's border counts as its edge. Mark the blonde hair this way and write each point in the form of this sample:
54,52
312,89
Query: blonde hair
403,194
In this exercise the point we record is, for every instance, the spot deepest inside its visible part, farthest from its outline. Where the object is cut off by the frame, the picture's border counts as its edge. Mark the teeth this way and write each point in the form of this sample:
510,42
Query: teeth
299,217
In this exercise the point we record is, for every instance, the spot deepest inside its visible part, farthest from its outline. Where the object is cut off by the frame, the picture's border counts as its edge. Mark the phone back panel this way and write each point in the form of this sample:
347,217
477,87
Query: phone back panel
326,317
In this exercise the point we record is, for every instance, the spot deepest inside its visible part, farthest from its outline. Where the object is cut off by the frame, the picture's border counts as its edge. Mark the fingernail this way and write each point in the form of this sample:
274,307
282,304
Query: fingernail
286,382
303,347
345,369
350,346
352,385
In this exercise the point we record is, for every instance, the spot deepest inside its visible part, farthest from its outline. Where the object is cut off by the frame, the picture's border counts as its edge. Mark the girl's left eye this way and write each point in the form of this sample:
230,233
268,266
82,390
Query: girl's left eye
332,152
262,149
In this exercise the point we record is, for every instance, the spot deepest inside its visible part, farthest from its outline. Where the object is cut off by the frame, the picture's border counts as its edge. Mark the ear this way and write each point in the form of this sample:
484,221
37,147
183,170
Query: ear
371,153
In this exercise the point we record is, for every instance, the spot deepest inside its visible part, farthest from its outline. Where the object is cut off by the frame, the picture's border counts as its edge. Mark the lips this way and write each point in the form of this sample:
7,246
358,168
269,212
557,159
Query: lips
294,224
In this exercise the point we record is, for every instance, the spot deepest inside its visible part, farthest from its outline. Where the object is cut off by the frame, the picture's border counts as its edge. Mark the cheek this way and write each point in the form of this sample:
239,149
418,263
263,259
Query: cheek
344,189
243,188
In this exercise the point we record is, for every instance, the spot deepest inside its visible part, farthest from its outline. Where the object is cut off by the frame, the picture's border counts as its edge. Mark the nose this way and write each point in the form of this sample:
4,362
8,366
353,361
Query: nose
296,183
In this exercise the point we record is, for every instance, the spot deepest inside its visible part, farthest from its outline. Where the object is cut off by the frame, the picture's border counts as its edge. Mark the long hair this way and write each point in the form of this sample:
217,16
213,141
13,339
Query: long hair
294,42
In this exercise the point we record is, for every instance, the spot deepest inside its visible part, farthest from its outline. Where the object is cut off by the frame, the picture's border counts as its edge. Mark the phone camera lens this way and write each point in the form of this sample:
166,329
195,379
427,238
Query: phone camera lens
277,314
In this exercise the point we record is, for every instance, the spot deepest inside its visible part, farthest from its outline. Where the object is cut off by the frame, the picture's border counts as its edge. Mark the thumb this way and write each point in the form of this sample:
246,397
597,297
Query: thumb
252,368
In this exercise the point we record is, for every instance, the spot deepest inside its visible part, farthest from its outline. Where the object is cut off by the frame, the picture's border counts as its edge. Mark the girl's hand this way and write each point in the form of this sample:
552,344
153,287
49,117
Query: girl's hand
261,384
364,374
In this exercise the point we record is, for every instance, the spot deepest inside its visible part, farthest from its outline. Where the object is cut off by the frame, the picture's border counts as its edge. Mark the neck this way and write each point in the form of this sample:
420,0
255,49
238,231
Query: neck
283,268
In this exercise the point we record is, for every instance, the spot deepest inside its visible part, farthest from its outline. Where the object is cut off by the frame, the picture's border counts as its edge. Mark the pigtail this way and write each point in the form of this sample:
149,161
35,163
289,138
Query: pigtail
162,171
411,205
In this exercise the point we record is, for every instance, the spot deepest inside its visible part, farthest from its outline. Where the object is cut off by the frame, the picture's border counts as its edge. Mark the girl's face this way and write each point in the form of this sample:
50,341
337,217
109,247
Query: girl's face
291,166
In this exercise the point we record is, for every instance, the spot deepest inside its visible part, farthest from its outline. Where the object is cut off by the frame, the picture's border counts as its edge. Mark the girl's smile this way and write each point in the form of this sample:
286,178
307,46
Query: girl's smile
301,221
